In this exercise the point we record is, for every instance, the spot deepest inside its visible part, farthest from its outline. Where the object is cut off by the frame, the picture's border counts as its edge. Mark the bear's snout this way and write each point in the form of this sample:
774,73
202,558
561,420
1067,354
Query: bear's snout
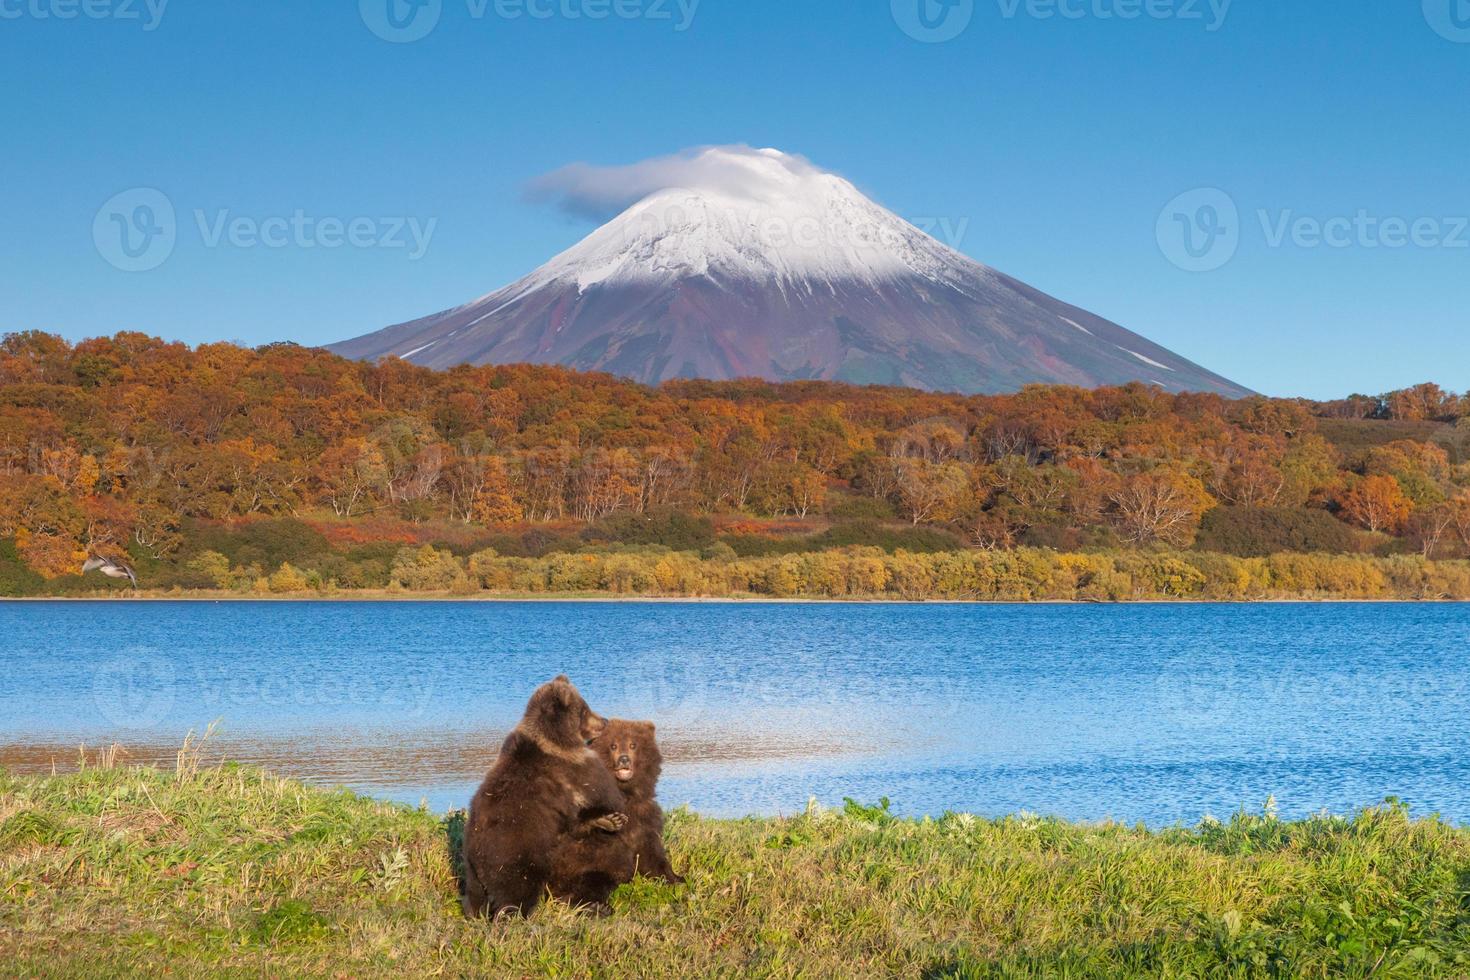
592,726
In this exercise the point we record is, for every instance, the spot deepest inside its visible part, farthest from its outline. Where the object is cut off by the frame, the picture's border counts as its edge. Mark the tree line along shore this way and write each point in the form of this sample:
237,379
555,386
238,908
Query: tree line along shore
852,573
193,465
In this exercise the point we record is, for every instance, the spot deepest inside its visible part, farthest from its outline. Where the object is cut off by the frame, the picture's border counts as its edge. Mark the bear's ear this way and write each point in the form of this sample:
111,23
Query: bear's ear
648,727
561,679
564,692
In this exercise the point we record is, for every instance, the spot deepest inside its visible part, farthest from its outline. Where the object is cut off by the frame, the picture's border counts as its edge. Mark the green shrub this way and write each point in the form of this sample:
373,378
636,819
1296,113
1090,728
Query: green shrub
207,570
1252,532
269,543
759,545
539,542
851,507
378,551
1354,436
678,531
429,570
288,579
871,534
16,578
865,534
1061,538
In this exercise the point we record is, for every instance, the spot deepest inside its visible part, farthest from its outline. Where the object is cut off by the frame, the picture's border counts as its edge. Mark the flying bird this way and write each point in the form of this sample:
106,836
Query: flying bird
110,568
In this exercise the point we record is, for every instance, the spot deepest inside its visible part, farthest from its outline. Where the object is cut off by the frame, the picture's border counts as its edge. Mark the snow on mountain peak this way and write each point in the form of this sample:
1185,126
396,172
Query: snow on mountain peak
735,262
753,215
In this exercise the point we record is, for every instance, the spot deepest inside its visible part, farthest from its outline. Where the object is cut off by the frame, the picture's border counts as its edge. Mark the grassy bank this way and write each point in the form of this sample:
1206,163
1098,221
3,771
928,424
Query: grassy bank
231,871
851,573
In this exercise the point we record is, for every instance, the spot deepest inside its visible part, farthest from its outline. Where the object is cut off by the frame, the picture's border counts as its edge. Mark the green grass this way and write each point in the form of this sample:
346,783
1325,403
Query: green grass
233,871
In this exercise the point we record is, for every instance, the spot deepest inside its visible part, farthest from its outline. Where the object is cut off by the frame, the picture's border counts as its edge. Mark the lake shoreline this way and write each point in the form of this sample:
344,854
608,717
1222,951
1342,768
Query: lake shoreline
367,596
1153,711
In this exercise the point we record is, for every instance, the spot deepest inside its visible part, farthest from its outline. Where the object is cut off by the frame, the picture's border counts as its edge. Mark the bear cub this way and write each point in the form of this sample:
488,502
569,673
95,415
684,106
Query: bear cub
631,754
547,786
592,863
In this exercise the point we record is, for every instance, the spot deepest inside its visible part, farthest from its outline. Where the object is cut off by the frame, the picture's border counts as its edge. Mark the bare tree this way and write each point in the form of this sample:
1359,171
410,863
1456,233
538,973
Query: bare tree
1160,505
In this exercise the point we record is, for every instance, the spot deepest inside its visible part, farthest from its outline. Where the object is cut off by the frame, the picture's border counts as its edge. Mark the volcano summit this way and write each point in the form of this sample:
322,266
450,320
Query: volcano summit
763,265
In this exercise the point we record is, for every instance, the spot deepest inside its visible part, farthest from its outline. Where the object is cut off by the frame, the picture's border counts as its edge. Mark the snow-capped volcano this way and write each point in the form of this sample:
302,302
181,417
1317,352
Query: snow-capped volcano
759,264
787,224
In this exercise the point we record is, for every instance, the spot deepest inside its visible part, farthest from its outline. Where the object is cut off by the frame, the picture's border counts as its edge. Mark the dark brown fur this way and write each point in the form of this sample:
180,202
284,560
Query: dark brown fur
546,787
590,865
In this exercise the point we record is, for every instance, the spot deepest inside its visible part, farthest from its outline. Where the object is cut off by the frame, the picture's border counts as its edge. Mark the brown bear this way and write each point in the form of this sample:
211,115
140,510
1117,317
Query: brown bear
547,786
590,865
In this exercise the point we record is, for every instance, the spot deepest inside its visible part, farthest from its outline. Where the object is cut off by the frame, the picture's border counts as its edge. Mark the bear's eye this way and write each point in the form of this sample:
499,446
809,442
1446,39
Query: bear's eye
632,745
615,746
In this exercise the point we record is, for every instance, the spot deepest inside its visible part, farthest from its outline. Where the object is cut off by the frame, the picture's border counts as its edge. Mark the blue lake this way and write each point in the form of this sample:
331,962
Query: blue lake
1159,713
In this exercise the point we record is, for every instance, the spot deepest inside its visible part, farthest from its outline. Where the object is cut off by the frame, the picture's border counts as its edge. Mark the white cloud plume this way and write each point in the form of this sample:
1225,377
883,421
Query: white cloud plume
597,192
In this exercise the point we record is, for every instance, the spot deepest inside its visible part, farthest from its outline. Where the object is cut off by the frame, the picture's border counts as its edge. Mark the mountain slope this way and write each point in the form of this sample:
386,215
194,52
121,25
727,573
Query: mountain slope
782,271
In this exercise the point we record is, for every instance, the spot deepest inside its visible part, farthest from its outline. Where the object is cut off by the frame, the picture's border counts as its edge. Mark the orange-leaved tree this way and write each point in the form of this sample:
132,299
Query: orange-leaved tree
1377,503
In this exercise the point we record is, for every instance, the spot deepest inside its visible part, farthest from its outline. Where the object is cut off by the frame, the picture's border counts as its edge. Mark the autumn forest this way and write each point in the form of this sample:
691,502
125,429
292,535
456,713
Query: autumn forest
286,470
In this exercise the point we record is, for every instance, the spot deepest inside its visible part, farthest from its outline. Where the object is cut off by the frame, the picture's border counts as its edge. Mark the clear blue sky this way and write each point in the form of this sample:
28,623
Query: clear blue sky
1059,141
